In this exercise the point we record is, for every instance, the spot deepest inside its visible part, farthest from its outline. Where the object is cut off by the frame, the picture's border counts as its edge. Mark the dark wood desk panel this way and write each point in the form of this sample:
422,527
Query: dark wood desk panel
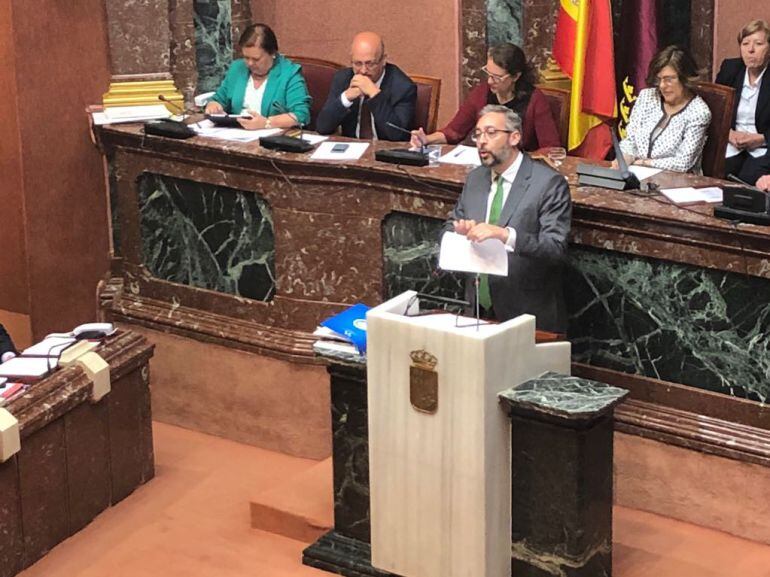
653,289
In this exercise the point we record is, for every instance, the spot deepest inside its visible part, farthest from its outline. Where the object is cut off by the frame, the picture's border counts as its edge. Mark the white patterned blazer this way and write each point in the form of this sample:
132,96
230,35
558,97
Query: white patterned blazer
679,145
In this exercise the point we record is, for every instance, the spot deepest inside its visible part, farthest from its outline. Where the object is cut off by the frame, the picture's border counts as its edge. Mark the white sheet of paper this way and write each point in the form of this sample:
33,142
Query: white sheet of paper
21,367
314,138
460,254
643,172
461,154
689,195
352,150
210,130
49,346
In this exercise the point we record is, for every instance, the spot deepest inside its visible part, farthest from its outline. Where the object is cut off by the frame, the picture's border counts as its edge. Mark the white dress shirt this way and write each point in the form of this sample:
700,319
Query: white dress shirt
252,99
348,103
746,114
508,176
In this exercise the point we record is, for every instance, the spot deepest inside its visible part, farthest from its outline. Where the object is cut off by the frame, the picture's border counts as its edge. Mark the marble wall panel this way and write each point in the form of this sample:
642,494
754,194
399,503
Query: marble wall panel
183,58
213,41
139,36
539,24
410,252
699,327
473,32
504,19
207,236
702,35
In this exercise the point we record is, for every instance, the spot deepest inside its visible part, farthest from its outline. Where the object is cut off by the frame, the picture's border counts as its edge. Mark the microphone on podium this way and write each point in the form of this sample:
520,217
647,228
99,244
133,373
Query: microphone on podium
403,155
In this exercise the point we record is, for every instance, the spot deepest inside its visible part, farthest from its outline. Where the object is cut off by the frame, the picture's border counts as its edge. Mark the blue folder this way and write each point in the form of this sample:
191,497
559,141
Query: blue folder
351,324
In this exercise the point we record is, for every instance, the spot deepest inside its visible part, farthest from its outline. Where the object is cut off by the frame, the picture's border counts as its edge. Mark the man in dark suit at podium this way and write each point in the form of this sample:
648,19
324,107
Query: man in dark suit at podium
527,206
364,98
7,350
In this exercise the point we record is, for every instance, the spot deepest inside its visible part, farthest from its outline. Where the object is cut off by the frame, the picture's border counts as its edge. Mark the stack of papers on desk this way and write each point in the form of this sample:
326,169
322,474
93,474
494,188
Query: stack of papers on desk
209,129
51,346
461,154
118,114
27,369
344,332
689,195
643,172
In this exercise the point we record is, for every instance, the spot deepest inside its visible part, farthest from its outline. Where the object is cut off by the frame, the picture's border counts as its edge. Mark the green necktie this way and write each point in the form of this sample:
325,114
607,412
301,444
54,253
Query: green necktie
485,298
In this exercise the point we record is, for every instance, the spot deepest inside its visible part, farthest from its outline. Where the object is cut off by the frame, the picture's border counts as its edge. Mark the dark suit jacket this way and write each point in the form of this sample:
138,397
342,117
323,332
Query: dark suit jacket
539,208
732,73
395,103
6,344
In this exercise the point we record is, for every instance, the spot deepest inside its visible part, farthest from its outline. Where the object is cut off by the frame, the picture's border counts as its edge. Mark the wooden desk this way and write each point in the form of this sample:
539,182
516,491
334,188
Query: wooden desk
77,457
657,294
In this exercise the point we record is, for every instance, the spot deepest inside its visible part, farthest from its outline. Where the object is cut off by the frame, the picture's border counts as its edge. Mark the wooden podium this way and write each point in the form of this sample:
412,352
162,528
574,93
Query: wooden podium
439,443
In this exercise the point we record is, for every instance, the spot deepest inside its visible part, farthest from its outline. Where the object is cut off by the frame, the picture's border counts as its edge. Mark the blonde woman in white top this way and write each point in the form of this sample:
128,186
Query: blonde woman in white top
668,123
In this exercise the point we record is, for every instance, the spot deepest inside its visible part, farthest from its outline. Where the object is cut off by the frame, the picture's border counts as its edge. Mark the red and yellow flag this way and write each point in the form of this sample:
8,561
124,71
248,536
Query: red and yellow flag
582,48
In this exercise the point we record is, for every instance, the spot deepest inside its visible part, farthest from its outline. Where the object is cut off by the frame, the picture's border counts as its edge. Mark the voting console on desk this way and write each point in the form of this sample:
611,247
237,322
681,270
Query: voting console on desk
744,204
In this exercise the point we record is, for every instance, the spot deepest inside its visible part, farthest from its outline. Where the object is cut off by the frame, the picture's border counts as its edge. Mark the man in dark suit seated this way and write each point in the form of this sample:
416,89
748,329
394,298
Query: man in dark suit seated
363,99
527,206
7,350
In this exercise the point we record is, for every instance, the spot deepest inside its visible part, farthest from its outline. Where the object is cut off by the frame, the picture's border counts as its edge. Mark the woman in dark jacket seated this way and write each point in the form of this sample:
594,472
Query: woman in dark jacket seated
510,82
747,148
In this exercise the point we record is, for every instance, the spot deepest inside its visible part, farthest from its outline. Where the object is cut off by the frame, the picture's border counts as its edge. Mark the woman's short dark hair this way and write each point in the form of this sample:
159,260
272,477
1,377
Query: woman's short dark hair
680,60
260,35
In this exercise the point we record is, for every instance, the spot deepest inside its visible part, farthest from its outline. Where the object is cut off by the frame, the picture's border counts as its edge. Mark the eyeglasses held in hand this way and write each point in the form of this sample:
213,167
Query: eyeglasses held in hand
490,132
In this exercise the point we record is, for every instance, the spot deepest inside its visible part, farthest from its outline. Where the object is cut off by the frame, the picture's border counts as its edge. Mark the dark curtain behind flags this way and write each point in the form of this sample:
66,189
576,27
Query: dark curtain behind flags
637,44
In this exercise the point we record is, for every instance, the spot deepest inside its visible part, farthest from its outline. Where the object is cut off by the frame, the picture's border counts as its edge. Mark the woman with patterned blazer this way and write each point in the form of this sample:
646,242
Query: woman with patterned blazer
668,123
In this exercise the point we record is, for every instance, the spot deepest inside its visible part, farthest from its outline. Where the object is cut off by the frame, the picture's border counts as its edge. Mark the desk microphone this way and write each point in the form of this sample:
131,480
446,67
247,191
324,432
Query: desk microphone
283,142
409,132
166,126
163,98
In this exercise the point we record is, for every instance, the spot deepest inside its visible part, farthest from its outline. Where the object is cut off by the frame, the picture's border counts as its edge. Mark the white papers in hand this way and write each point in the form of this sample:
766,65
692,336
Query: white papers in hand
689,195
331,150
462,154
643,172
460,254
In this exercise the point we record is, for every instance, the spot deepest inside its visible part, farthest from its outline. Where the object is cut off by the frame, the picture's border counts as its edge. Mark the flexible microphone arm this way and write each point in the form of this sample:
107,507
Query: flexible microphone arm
170,102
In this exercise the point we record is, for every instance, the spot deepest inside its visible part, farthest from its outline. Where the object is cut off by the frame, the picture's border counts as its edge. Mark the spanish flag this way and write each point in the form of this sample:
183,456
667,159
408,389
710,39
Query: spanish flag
583,49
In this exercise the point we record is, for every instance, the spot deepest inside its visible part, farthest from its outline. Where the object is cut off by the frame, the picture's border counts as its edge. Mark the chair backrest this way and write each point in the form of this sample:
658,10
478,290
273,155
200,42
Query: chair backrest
720,100
318,75
428,93
558,100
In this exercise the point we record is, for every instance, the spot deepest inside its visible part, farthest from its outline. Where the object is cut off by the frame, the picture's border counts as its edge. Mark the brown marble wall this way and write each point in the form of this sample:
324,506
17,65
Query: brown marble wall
421,38
139,36
538,29
13,261
58,174
473,39
182,47
702,34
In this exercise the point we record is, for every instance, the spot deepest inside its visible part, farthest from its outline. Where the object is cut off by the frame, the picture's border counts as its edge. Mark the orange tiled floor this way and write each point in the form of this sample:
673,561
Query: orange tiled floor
192,520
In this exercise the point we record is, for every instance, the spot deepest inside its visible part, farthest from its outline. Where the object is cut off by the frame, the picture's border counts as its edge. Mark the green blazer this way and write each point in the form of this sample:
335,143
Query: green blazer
285,86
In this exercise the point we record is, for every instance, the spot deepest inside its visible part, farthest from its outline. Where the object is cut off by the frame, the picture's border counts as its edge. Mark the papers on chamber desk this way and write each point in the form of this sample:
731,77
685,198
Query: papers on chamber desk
643,172
210,130
689,195
27,368
51,346
460,254
331,150
461,154
314,138
118,114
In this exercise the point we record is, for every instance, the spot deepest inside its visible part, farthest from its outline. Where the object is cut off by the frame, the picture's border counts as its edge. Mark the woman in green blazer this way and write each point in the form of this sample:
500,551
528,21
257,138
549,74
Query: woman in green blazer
264,84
